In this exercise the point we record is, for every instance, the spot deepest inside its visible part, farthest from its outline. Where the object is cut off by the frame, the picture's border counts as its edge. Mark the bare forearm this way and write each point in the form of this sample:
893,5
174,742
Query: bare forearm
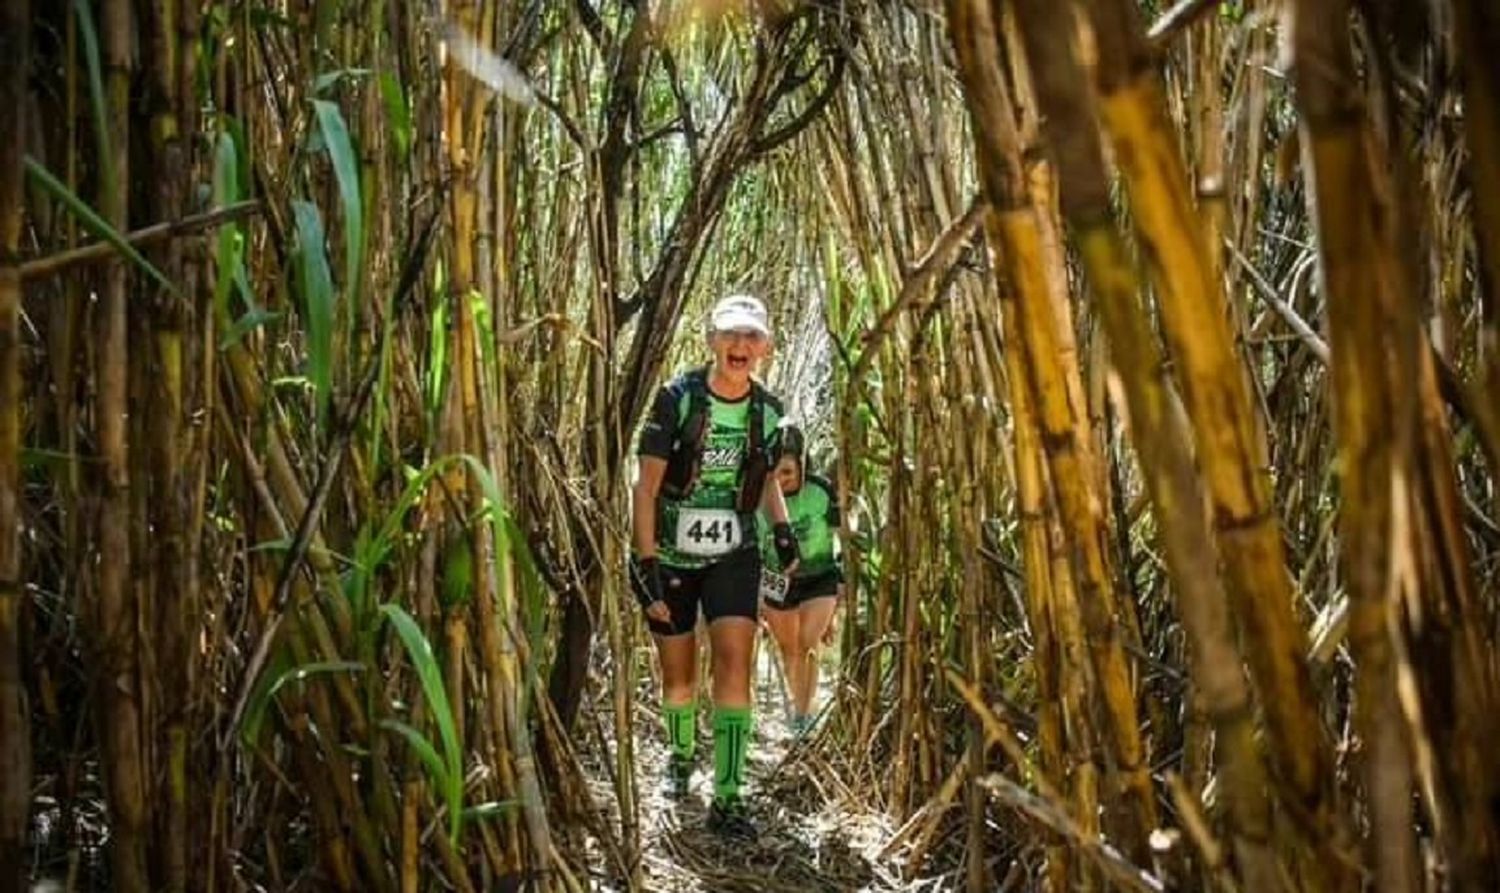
773,503
643,506
643,518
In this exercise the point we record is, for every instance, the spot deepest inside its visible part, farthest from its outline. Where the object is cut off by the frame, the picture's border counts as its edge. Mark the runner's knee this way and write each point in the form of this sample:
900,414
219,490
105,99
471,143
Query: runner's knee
785,630
731,679
732,660
678,693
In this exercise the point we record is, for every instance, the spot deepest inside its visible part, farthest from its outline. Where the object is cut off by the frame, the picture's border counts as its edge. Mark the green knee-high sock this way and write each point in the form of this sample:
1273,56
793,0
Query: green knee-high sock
731,745
682,728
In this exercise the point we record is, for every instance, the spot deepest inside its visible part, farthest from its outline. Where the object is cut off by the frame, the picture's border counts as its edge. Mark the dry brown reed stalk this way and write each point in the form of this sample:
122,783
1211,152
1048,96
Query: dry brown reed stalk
15,707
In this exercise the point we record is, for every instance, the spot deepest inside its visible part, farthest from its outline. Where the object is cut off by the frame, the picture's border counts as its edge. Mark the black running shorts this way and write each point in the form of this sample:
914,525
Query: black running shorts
805,589
730,587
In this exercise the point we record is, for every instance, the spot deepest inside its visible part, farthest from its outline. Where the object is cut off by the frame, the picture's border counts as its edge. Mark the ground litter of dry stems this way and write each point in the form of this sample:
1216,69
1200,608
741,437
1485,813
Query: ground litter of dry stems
816,834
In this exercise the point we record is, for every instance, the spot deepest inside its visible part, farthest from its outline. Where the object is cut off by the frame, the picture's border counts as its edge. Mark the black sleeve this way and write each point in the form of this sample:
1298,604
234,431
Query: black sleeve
660,430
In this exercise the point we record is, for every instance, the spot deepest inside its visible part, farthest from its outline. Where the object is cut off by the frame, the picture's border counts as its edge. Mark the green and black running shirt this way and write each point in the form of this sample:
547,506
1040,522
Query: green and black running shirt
703,526
814,515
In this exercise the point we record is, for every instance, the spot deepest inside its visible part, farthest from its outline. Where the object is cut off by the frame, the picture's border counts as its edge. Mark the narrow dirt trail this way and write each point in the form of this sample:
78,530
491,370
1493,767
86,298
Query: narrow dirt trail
811,839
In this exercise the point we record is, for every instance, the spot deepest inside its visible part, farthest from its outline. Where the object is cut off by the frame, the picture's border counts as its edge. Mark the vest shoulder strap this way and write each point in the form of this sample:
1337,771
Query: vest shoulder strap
692,416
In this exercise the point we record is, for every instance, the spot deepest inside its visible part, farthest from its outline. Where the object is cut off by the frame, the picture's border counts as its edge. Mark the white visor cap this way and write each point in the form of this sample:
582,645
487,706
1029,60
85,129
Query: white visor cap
741,313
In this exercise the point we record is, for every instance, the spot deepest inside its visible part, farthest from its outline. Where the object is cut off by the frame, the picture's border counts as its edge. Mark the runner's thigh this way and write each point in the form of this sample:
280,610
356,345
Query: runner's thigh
731,586
806,589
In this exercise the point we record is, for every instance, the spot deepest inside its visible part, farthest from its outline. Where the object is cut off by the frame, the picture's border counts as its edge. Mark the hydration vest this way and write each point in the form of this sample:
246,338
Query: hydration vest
686,459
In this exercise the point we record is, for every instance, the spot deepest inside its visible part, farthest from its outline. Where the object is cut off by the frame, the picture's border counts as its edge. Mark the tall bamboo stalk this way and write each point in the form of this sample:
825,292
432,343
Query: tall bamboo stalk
1154,425
117,681
172,501
1198,330
200,372
15,707
1370,328
1017,240
461,132
1040,598
1430,576
1442,654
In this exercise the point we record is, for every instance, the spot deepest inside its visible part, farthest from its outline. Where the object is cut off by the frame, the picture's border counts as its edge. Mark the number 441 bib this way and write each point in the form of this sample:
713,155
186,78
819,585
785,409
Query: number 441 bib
708,532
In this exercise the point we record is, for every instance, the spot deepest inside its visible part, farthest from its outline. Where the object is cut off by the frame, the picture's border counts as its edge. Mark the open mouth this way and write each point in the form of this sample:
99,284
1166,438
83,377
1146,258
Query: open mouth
739,362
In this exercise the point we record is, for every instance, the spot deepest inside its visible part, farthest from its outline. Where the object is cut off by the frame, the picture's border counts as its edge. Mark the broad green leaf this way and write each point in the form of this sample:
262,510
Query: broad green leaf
236,130
316,285
249,322
424,750
226,170
397,113
356,583
529,579
419,650
437,356
497,512
262,697
381,544
277,545
458,573
346,172
84,14
228,255
374,552
242,282
388,312
533,594
512,550
484,329
283,545
91,219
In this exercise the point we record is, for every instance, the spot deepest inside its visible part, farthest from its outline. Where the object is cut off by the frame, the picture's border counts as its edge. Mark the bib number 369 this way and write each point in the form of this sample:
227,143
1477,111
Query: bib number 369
773,586
707,532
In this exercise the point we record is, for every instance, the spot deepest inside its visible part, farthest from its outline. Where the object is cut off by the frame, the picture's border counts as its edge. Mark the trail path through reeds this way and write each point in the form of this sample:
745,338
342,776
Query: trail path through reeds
815,833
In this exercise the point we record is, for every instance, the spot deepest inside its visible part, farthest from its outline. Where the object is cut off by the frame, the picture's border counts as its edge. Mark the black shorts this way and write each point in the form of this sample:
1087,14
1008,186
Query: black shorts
730,587
805,589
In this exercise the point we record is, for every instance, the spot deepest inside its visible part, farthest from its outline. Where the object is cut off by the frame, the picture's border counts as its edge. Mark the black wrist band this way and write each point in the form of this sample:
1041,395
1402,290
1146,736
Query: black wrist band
647,573
785,542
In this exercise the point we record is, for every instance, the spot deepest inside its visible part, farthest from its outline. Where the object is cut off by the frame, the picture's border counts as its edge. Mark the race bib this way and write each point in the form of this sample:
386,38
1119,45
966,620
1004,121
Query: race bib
773,586
708,532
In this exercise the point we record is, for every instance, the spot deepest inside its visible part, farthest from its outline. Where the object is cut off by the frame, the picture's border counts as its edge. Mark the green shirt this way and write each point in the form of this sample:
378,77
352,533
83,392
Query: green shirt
705,519
813,512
